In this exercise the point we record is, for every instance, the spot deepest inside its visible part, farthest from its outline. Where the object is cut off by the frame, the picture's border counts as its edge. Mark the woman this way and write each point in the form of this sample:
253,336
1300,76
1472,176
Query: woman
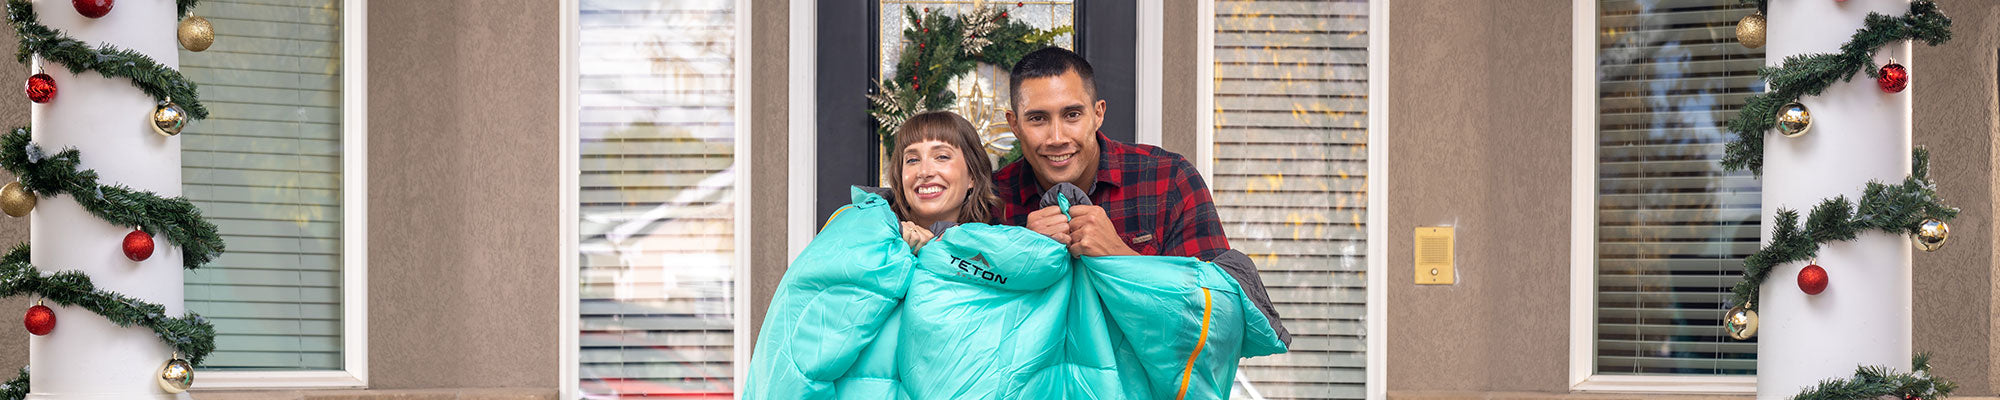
842,296
942,175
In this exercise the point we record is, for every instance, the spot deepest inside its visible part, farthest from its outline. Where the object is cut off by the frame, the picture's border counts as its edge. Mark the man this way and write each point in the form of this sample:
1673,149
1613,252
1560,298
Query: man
1148,201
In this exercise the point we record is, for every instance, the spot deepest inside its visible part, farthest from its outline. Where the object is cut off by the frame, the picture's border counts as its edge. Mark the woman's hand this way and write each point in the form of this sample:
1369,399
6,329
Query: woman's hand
917,236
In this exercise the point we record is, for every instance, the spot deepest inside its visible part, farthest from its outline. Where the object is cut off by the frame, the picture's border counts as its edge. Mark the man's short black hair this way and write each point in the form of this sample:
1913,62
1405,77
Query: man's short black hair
1049,62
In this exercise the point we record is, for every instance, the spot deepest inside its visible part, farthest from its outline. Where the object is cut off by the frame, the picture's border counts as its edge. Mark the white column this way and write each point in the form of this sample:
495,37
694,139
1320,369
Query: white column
108,120
1859,133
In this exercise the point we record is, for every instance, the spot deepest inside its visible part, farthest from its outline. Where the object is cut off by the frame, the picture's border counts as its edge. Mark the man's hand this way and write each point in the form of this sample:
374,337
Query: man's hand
917,236
1092,233
1050,221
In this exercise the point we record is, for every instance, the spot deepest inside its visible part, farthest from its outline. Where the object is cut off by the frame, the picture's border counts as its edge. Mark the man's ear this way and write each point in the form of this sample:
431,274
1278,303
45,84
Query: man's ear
1012,122
1101,106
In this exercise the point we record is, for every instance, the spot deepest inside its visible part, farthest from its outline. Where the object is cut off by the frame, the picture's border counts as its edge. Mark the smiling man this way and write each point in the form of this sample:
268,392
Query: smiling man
1149,201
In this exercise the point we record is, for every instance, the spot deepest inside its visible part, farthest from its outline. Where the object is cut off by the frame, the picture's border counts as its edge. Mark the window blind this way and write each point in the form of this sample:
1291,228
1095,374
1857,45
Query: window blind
1291,166
266,169
1673,227
656,246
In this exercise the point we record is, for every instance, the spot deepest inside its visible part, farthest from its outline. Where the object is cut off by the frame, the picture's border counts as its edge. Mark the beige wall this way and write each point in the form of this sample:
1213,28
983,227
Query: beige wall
463,144
1954,118
770,36
1179,56
1479,132
13,349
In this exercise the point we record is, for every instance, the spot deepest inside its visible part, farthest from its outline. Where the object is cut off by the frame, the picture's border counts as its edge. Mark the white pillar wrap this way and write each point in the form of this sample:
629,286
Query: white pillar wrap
1859,133
108,120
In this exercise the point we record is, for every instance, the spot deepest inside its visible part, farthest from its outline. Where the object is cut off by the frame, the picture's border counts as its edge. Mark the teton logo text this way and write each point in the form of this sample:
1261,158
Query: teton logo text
978,268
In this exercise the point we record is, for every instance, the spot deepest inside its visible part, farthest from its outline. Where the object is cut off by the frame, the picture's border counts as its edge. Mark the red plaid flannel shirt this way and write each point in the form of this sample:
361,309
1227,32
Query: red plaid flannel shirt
1154,197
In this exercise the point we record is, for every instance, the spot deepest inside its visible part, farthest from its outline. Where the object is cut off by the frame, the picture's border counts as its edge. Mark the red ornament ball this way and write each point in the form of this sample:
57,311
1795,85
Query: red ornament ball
92,8
1893,78
1812,280
41,88
138,245
40,320
1003,14
1020,4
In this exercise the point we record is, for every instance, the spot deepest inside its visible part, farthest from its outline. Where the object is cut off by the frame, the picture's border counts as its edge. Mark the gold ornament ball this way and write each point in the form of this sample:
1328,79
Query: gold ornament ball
1741,322
196,34
1750,30
176,376
1794,120
169,118
1930,235
17,202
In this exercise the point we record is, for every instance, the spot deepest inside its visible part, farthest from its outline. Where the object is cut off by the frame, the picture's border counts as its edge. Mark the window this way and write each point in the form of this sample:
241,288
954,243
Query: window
1290,164
1668,228
657,143
277,169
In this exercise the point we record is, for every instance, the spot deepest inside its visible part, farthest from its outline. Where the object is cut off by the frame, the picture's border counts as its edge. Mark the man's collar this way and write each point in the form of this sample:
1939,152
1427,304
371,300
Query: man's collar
1107,170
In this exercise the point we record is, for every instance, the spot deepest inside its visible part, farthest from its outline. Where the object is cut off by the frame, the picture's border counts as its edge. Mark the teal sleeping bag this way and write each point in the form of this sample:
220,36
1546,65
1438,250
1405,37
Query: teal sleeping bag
1185,321
828,332
1001,312
997,312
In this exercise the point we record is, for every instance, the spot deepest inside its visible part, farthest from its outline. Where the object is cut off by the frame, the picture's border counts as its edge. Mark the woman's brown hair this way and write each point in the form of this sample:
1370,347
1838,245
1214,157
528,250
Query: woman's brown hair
948,127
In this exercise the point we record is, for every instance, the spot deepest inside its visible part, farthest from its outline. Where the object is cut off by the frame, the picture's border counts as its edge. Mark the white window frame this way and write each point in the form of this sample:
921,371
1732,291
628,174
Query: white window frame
568,354
802,168
1148,72
1378,169
353,230
1583,237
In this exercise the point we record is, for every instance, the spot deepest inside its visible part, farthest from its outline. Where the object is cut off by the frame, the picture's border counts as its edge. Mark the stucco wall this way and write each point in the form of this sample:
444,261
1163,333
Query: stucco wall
1955,107
463,199
1479,133
771,36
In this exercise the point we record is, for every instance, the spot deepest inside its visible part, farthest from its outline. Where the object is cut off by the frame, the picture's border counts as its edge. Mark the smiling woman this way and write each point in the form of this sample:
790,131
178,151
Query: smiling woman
937,178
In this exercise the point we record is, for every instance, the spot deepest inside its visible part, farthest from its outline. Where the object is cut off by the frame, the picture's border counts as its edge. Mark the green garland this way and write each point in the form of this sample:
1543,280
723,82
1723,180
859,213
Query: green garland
1889,208
176,218
16,388
1809,74
939,47
185,8
1893,208
158,81
191,334
43,175
1763,6
1876,381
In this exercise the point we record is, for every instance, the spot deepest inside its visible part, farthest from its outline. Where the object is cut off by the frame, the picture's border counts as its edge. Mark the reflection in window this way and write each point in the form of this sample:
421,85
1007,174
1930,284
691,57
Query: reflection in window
266,169
1291,182
656,232
1672,226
